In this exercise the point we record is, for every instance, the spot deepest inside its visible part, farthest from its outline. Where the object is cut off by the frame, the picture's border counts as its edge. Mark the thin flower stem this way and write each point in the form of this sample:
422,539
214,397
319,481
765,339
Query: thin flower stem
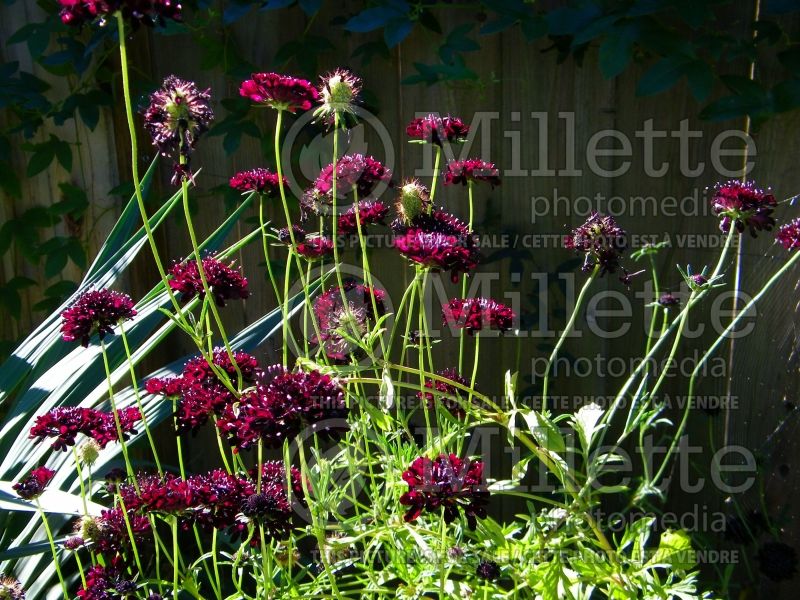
265,246
50,539
175,555
462,333
138,397
714,346
567,330
115,412
137,183
212,304
80,480
437,159
131,537
178,444
656,296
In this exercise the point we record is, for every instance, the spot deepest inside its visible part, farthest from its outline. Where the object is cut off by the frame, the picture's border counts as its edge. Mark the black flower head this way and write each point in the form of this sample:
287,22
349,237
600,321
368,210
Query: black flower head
95,311
34,484
601,241
488,570
178,114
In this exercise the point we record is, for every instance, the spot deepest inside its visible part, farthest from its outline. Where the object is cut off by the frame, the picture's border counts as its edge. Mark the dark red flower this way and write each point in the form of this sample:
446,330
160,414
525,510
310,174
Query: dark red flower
437,130
285,237
200,391
105,583
258,180
743,205
356,318
111,535
668,300
224,282
280,92
66,422
315,246
136,12
178,114
218,497
95,311
471,170
789,234
370,212
446,485
442,388
601,241
476,314
166,493
34,484
364,174
281,406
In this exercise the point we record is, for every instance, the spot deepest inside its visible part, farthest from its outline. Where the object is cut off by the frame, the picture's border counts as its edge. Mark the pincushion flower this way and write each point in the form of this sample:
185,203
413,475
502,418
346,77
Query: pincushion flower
488,570
34,484
370,212
601,241
743,205
11,589
95,311
668,300
137,12
339,93
200,392
446,485
110,534
477,314
442,388
788,235
438,241
281,92
218,497
414,200
472,170
258,180
335,319
364,174
282,406
64,423
105,583
437,130
224,282
178,114
315,246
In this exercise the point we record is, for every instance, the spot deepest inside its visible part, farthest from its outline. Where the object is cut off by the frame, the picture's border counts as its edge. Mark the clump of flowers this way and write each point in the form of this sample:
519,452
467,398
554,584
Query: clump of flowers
788,235
339,93
476,314
224,281
743,205
443,388
437,130
601,241
95,311
438,241
200,391
105,583
335,318
472,170
281,406
258,180
281,92
370,212
109,532
271,506
448,485
64,423
77,13
34,484
178,114
353,172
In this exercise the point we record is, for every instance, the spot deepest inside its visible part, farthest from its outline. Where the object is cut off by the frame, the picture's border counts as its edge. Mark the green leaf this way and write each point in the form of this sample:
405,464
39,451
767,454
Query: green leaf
674,550
700,77
661,76
615,51
52,501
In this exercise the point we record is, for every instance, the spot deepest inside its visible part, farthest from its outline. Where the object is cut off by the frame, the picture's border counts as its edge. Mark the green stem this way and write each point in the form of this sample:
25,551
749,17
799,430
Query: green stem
435,178
53,549
567,330
120,433
464,285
